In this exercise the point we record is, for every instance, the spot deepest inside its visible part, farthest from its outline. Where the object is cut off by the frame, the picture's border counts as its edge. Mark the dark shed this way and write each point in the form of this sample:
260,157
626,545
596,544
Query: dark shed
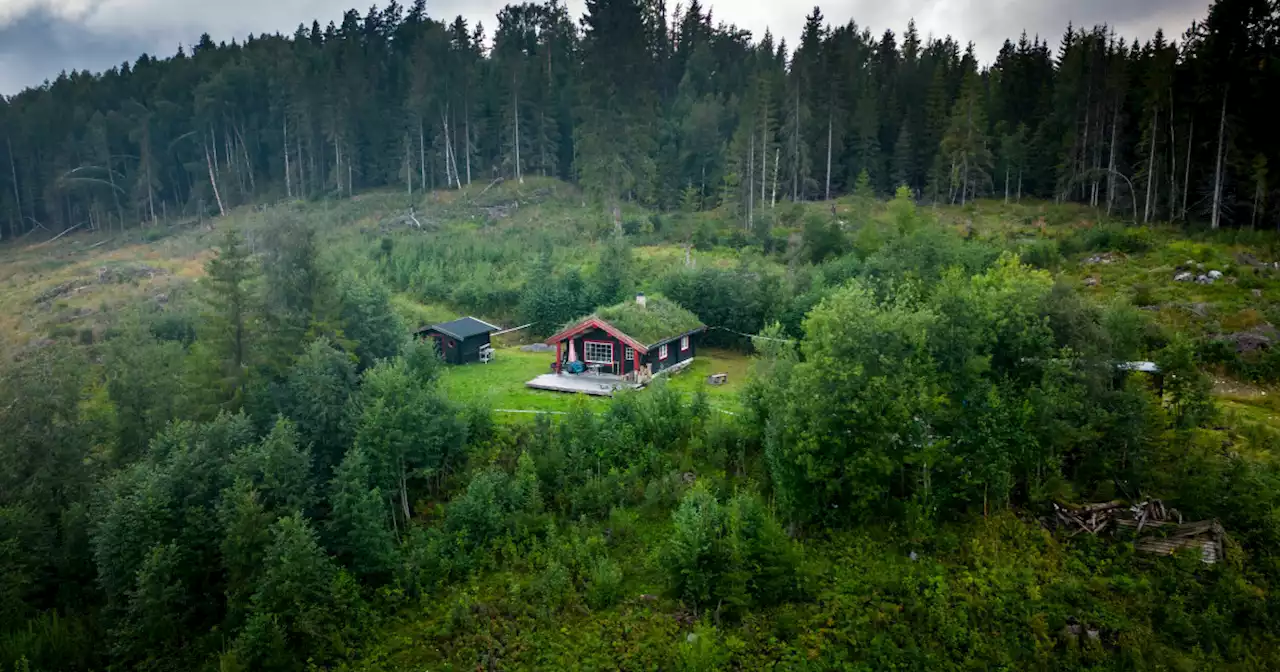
460,341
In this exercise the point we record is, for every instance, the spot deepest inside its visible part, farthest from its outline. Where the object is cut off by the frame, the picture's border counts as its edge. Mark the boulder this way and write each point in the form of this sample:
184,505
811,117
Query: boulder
1183,277
1215,275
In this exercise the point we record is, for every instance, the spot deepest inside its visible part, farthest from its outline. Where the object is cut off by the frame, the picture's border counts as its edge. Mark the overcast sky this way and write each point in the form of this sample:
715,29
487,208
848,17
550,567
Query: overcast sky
40,38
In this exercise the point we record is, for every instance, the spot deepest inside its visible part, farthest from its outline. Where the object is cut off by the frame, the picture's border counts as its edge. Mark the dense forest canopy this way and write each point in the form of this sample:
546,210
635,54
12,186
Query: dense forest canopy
666,108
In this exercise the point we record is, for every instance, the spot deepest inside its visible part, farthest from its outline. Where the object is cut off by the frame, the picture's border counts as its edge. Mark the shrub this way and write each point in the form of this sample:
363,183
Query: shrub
1143,294
604,584
480,514
174,326
554,585
733,555
1112,238
1041,254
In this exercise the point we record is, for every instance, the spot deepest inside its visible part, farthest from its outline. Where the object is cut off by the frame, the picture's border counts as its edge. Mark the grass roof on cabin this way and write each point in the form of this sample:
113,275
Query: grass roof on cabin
661,319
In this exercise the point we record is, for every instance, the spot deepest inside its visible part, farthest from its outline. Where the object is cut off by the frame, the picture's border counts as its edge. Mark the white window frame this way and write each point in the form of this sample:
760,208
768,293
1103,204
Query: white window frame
684,344
662,351
589,346
631,353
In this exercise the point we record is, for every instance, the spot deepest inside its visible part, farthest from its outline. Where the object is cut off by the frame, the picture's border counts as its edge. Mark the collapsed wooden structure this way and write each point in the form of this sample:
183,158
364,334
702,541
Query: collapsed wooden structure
1155,528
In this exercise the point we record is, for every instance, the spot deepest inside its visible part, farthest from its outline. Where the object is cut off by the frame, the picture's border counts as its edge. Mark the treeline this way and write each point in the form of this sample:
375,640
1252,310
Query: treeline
668,109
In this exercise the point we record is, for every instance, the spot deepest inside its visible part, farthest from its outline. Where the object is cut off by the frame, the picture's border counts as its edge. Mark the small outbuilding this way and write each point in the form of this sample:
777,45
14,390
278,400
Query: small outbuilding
462,341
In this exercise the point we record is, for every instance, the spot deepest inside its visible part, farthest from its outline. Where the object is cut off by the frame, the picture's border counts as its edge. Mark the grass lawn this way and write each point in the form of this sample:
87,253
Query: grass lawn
501,384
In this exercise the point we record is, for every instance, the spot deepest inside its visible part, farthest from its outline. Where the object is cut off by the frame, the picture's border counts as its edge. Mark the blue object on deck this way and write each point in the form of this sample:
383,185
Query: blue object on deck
576,367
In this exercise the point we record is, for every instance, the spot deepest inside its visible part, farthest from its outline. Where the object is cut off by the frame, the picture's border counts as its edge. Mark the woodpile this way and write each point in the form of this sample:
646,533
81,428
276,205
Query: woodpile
1167,538
1091,518
1154,527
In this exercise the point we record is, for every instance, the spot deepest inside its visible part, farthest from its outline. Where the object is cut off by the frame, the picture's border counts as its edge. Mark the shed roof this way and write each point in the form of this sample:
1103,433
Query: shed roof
658,321
463,328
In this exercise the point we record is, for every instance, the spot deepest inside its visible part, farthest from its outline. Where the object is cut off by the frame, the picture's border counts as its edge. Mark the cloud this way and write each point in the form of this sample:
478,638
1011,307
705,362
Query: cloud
40,38
39,44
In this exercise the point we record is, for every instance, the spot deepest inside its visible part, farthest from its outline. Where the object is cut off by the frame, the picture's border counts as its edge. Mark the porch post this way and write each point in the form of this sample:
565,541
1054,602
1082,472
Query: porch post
558,360
636,354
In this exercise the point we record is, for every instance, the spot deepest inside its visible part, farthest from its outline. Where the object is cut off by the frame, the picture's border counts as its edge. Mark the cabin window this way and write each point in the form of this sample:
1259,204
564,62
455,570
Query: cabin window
597,352
631,353
662,352
684,343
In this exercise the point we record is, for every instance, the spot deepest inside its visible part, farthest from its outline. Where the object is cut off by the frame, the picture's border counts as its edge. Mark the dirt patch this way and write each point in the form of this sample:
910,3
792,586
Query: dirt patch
1104,258
109,275
1260,337
60,290
1245,320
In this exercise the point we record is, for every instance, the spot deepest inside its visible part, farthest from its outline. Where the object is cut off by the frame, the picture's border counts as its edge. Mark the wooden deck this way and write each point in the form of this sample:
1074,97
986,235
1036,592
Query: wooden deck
602,385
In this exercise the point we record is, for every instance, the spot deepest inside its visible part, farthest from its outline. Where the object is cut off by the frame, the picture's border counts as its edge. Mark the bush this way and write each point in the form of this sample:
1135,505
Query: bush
1041,254
1143,294
174,326
604,584
1112,238
554,585
732,556
481,514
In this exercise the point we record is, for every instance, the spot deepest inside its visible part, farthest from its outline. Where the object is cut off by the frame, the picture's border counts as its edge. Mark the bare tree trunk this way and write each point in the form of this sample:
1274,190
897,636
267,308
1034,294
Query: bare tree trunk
1173,162
422,155
968,135
1019,185
214,137
451,156
288,178
1083,161
408,164
795,153
404,494
337,165
448,174
751,184
213,180
115,192
1111,163
13,171
1222,150
1151,165
1006,185
302,169
1186,179
300,187
516,117
227,143
151,193
764,157
466,146
777,156
1257,203
248,165
350,191
829,124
